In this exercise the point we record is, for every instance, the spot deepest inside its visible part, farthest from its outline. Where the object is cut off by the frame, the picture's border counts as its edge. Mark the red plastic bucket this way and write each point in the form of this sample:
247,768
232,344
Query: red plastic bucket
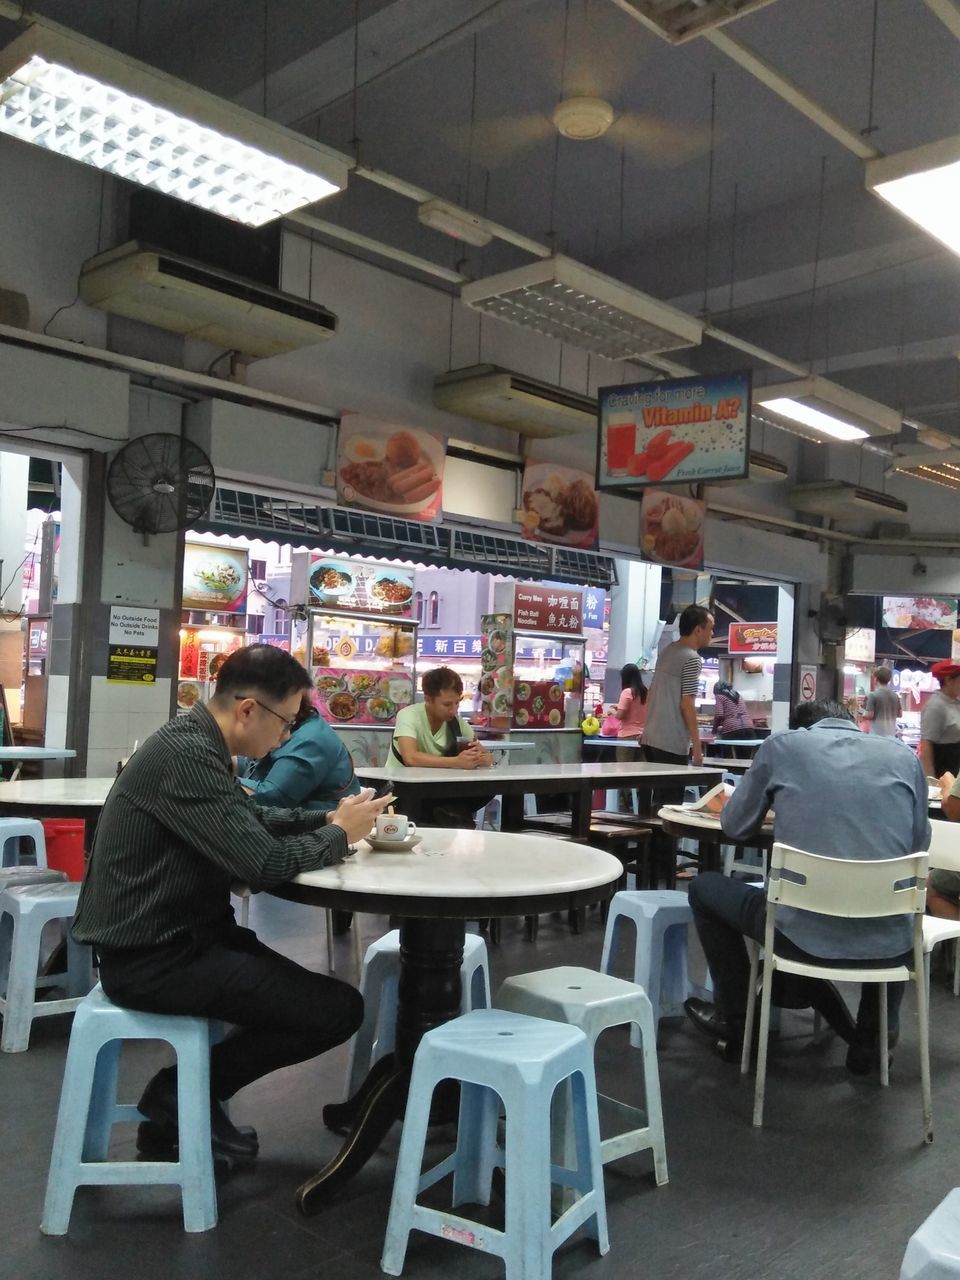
64,838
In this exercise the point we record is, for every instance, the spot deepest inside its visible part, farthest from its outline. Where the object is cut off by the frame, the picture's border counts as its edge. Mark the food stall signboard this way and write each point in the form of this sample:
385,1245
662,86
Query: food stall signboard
752,637
860,644
214,578
560,505
677,431
920,613
384,467
354,585
541,608
449,646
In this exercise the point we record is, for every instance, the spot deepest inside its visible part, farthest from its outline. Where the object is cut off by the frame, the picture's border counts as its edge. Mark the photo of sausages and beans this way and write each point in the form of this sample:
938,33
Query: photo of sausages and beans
393,472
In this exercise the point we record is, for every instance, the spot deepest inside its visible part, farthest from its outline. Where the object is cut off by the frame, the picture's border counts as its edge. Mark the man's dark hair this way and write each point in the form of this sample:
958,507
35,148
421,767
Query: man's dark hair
693,616
439,680
804,714
261,668
882,675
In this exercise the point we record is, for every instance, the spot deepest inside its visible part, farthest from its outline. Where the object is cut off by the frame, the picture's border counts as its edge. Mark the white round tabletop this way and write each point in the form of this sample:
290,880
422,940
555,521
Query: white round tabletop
49,794
457,869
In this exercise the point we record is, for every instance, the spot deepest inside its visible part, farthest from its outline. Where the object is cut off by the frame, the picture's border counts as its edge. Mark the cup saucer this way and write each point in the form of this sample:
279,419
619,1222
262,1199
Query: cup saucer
393,846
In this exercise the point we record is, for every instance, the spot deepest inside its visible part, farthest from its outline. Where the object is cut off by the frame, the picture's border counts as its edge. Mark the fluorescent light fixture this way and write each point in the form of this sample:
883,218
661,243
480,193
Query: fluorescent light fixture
682,20
82,100
828,409
563,299
941,468
923,185
454,221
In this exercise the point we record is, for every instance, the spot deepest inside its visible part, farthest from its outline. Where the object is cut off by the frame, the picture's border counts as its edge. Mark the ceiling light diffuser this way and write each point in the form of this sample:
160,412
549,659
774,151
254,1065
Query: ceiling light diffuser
583,119
565,300
923,185
82,100
827,409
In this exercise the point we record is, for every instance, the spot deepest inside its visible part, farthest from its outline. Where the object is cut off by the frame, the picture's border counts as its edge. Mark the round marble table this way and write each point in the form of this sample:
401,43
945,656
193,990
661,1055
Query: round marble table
56,798
452,876
705,827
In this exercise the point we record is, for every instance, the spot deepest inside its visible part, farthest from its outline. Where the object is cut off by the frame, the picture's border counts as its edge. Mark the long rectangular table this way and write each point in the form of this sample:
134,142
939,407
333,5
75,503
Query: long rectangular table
517,780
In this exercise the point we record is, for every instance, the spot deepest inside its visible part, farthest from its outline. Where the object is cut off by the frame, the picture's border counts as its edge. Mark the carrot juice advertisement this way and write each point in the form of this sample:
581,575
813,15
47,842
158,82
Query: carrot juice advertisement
676,431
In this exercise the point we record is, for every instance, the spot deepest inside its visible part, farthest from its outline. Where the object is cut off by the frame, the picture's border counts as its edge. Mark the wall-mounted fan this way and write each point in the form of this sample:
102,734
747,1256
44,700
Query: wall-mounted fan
160,483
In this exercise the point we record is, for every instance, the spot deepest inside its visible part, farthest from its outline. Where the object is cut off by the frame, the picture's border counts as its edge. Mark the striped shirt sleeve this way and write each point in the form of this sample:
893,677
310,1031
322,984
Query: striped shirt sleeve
690,678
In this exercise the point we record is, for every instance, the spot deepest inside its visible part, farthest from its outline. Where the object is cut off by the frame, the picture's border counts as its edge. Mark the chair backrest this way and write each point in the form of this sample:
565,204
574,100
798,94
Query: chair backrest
945,844
848,887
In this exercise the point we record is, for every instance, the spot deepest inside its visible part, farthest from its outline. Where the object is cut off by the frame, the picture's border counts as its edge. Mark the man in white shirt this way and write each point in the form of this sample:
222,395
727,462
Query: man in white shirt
670,729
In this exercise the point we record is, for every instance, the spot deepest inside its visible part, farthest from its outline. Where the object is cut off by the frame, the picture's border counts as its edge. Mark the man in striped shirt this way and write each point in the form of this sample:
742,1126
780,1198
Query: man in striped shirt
176,831
670,730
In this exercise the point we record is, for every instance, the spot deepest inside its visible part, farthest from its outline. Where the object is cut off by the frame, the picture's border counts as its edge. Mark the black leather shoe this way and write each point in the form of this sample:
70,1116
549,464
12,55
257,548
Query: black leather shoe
159,1105
708,1022
161,1142
864,1056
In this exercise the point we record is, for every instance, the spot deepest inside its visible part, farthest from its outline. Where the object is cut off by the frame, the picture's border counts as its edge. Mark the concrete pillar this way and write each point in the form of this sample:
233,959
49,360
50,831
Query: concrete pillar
14,469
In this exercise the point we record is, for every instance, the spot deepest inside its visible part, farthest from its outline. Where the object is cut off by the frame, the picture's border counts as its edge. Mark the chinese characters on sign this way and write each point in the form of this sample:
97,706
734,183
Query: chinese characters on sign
133,638
752,637
131,664
547,609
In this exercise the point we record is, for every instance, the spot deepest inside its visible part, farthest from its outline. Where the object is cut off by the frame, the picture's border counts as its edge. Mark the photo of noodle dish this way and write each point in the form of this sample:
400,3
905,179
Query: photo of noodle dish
389,469
559,505
363,684
329,580
391,591
343,706
382,708
327,685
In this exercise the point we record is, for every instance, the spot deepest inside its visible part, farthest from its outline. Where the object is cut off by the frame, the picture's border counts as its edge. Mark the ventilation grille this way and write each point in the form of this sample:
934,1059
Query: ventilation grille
241,513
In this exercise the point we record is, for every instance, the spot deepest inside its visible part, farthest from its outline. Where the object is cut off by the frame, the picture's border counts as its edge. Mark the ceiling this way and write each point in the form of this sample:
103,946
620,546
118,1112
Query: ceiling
760,220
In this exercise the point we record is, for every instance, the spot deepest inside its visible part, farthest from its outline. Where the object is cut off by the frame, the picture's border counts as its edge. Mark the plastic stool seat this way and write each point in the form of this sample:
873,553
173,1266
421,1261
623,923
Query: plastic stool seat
15,829
660,917
379,983
24,910
501,1056
89,1109
593,1002
933,1251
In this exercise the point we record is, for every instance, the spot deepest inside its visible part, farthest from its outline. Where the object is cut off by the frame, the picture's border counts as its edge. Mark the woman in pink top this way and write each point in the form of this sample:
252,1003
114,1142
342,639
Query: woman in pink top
631,710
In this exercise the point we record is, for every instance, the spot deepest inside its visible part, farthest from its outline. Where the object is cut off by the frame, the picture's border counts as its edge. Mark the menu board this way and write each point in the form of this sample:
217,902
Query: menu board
383,467
537,704
361,695
214,578
675,431
352,584
496,663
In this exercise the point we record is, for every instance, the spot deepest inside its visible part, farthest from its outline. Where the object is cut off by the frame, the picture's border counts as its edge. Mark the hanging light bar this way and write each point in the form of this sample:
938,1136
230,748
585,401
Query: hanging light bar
923,185
827,409
83,100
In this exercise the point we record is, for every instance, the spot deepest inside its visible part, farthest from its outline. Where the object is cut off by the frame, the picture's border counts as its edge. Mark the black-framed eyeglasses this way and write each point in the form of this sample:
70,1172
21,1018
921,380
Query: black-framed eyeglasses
289,725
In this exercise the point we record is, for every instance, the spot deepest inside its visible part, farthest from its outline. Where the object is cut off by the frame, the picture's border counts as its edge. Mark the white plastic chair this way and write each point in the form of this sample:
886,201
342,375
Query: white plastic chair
944,852
851,889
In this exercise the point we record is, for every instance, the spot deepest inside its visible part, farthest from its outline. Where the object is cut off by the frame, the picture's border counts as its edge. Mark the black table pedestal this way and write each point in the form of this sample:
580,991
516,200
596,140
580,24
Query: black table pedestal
431,955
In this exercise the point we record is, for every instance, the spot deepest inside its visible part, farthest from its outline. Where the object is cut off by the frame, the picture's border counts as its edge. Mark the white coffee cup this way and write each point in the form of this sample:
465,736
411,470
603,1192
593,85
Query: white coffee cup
394,826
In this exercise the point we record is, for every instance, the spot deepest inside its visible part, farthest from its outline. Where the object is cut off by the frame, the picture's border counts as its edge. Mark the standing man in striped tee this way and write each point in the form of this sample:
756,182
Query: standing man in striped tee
176,831
670,729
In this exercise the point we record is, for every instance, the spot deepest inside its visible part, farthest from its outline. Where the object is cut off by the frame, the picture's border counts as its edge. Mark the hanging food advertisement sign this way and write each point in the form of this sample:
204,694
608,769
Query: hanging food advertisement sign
542,608
396,470
214,578
496,665
677,431
752,637
672,529
560,505
920,613
352,584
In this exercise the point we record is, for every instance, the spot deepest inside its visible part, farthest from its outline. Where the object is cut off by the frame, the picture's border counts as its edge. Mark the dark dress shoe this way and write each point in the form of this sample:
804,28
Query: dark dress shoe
161,1142
159,1105
708,1022
863,1056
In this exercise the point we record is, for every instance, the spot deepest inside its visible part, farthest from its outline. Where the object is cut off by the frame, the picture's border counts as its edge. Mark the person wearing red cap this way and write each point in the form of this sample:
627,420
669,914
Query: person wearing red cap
940,723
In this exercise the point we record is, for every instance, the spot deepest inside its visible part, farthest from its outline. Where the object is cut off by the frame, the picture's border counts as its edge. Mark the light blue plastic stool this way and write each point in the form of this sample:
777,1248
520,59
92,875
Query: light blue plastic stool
500,1056
89,1109
593,1002
24,910
379,981
661,918
933,1251
12,831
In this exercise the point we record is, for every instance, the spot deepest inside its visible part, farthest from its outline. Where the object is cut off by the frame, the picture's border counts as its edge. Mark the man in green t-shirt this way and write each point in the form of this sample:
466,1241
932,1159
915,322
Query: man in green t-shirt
430,735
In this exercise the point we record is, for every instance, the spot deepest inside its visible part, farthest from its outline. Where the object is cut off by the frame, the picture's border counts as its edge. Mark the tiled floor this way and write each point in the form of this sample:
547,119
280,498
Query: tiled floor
830,1189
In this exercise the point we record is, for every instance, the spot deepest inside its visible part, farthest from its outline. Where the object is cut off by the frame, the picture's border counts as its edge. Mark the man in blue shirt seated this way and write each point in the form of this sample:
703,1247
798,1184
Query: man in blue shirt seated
837,792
